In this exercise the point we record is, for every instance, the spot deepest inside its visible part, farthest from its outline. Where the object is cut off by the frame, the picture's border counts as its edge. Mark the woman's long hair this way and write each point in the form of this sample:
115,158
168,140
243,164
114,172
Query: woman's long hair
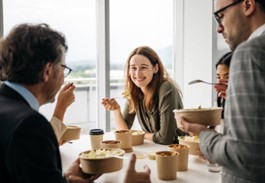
158,78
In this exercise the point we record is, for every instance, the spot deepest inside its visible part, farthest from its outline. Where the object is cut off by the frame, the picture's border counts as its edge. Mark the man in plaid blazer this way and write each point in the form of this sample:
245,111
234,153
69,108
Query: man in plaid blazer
241,149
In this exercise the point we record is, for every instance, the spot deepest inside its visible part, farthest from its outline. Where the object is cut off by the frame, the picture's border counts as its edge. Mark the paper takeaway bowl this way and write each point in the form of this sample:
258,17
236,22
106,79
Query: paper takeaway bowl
137,137
193,142
71,133
106,144
204,116
101,161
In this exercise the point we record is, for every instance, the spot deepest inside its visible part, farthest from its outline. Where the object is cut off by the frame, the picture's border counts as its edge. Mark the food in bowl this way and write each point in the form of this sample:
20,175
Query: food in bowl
137,137
101,153
193,142
137,132
110,144
177,146
101,160
152,155
166,153
204,116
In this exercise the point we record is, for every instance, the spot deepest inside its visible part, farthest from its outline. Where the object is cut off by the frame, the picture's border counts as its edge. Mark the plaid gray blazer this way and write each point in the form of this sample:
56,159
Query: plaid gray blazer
241,149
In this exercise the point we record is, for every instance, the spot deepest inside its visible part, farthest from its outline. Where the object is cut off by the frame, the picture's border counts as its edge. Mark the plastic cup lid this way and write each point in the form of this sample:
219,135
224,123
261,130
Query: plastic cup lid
96,132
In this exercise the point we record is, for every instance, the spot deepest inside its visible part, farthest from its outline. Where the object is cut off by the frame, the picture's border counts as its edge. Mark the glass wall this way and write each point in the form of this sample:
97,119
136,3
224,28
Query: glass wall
77,20
160,24
136,23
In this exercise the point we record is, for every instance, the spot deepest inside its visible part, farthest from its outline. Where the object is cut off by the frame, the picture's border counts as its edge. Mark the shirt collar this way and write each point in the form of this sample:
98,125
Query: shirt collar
257,32
25,93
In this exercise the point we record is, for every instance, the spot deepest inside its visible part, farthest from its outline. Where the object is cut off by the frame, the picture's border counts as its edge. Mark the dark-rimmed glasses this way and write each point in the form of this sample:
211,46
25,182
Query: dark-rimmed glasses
219,17
67,70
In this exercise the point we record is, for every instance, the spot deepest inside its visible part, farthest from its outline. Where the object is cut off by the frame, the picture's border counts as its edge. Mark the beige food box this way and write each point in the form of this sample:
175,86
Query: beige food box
71,133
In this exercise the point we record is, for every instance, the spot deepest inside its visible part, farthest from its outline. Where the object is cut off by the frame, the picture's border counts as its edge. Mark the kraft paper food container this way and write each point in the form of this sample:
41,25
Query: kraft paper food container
101,163
125,136
166,163
71,133
106,144
137,137
183,151
193,142
204,116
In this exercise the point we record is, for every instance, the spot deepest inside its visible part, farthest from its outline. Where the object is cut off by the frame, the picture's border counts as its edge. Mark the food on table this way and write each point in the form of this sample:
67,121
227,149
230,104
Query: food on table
165,153
101,153
126,94
193,142
152,155
190,138
177,146
140,156
111,142
137,132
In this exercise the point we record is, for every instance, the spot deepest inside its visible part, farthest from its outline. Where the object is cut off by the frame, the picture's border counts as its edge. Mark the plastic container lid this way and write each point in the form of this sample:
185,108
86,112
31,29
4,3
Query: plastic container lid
96,132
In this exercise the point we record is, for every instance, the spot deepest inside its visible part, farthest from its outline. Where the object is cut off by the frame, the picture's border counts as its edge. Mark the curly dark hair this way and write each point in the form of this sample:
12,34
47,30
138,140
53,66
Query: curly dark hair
27,49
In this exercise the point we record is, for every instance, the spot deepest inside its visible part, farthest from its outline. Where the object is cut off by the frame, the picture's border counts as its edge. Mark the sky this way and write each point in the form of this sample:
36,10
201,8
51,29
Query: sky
132,23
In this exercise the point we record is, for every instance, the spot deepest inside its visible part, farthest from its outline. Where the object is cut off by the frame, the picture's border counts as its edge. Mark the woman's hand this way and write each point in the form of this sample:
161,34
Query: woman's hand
110,104
65,98
221,88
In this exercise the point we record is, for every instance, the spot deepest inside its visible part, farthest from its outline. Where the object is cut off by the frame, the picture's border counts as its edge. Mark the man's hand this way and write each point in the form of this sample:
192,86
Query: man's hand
136,177
75,175
192,128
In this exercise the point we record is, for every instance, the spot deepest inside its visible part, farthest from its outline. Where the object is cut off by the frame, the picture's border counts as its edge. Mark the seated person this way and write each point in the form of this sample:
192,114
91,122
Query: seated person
222,74
32,65
65,98
152,97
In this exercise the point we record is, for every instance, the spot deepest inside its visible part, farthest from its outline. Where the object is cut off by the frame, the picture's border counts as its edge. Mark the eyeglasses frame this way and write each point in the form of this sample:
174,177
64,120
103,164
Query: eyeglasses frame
217,17
69,70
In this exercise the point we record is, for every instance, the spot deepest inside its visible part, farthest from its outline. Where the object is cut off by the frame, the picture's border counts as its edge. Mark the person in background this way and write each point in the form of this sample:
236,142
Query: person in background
222,74
32,66
152,97
240,150
65,98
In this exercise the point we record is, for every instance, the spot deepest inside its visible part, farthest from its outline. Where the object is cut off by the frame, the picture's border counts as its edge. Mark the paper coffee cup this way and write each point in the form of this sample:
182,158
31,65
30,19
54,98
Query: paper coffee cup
96,136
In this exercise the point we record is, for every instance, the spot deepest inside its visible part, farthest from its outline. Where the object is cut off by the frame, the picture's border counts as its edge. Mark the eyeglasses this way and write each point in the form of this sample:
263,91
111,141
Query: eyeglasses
219,17
66,71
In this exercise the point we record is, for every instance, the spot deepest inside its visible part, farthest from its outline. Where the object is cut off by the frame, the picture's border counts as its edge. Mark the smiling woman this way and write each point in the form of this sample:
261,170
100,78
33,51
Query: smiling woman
153,98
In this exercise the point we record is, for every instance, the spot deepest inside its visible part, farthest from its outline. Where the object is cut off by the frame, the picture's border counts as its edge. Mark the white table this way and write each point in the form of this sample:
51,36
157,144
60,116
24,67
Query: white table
197,169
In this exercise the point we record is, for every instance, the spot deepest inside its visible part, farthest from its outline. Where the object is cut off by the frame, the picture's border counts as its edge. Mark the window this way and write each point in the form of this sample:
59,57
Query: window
136,23
77,20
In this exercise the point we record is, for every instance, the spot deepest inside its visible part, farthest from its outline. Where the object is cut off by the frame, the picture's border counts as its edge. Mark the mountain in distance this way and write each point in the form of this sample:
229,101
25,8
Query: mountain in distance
165,55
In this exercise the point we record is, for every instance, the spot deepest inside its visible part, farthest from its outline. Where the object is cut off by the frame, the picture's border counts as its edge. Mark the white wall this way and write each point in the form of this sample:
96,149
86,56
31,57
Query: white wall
197,52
